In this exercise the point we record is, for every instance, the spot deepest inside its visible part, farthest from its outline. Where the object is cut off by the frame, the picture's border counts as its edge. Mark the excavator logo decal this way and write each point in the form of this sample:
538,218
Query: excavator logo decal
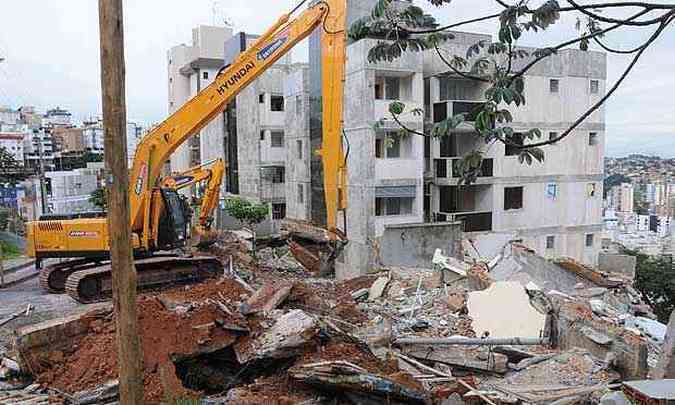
141,179
235,78
280,40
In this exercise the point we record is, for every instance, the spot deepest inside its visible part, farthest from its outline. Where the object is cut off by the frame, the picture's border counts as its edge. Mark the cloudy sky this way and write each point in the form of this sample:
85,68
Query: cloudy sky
52,59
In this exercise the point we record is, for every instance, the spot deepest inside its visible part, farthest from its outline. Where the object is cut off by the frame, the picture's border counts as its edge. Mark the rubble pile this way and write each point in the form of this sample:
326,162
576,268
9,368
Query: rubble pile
507,329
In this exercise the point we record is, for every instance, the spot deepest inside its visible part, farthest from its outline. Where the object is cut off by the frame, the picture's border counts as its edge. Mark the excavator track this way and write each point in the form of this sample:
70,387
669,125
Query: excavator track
53,277
95,284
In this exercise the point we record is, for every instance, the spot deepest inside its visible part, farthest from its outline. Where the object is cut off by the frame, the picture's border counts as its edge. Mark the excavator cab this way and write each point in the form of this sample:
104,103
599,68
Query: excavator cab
174,222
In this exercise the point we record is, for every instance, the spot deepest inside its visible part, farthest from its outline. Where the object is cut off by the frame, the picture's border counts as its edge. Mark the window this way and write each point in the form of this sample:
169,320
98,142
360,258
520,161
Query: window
262,135
393,147
379,94
261,98
591,189
170,79
205,75
298,145
551,191
552,136
277,139
392,88
517,139
513,198
589,240
278,174
554,85
278,211
277,103
298,105
592,139
550,242
301,193
595,87
379,148
393,206
388,146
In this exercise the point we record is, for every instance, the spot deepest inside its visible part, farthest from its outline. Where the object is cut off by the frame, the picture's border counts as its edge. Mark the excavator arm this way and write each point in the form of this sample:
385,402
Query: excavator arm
212,173
157,147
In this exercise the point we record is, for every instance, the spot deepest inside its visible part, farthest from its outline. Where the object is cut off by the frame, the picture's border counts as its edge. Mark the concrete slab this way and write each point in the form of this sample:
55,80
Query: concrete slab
504,311
286,338
377,289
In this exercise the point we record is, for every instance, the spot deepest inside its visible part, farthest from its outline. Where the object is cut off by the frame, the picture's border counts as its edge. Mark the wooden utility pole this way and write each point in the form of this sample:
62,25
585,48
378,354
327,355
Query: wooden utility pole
117,177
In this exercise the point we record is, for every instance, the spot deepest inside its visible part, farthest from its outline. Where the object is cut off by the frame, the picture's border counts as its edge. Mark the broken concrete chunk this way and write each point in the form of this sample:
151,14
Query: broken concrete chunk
360,294
479,278
377,289
350,379
460,357
591,292
456,301
396,290
504,311
596,336
267,298
286,338
615,398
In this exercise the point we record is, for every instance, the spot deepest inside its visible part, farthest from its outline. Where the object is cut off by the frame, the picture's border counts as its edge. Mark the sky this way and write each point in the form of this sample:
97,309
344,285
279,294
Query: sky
51,53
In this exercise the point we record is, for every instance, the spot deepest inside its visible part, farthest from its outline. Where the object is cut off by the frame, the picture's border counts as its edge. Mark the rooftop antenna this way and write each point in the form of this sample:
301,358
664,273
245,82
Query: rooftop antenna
219,16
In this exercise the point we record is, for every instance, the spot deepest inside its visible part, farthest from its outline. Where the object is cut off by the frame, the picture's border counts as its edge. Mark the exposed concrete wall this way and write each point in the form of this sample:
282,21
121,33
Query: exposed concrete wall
298,145
615,263
413,245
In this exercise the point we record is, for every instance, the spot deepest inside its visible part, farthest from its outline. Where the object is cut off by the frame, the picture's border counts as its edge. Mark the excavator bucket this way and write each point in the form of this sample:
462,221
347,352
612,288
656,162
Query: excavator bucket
202,239
315,248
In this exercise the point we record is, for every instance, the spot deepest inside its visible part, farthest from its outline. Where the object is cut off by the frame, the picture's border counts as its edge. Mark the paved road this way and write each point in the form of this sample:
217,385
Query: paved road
46,306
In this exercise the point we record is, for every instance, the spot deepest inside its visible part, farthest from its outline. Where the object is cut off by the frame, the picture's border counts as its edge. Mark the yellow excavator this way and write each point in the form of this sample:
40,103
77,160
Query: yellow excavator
212,173
159,217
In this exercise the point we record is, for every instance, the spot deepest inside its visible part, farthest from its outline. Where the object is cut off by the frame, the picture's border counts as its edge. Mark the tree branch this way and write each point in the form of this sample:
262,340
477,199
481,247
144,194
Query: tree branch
457,71
603,99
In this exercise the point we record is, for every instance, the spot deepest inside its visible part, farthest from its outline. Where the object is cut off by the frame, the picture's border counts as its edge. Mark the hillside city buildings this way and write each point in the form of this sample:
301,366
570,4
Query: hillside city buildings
58,156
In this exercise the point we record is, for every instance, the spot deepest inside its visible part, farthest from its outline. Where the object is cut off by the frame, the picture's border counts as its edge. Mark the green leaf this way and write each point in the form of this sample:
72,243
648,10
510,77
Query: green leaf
396,108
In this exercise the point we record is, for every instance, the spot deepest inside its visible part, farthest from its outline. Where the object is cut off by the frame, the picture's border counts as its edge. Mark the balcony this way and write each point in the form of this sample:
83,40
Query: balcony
446,109
449,168
473,221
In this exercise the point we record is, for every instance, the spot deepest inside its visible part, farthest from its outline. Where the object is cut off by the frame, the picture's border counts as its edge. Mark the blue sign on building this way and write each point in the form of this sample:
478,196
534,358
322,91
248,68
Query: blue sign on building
9,196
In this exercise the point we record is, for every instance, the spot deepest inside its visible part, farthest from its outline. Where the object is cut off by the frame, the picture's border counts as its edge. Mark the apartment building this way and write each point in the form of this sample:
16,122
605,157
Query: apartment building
38,145
12,142
622,197
555,207
190,69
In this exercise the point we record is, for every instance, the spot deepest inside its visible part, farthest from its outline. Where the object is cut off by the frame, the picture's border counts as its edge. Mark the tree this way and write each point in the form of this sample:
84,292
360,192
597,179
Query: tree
614,180
655,279
501,65
249,214
98,198
11,170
